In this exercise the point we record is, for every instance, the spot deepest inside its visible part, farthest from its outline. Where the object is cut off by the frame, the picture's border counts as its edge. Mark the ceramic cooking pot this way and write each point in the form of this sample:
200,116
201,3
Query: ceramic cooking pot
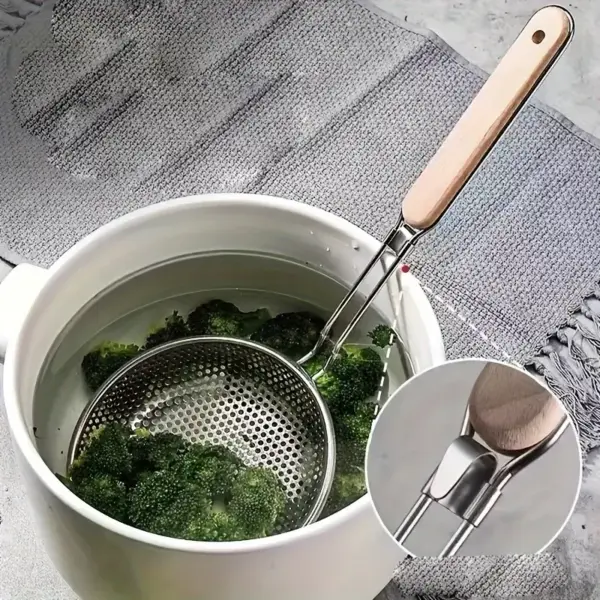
346,556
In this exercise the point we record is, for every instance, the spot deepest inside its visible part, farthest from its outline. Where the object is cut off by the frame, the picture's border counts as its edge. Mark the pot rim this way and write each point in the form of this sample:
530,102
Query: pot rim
28,450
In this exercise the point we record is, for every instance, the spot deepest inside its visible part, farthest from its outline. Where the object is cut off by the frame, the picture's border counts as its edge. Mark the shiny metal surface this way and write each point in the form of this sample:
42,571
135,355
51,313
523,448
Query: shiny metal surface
468,483
232,392
399,241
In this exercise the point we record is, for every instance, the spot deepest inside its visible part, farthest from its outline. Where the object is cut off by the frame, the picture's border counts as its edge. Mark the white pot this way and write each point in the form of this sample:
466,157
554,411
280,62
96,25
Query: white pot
347,556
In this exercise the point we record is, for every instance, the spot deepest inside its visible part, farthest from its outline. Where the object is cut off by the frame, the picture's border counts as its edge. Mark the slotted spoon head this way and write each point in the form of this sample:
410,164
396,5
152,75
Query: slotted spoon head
232,392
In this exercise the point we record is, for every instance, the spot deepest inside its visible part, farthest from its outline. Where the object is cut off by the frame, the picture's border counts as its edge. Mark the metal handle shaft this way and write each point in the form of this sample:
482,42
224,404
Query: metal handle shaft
489,490
501,98
398,240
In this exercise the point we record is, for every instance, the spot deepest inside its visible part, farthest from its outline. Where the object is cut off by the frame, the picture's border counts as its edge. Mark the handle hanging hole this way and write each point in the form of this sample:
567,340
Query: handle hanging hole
538,36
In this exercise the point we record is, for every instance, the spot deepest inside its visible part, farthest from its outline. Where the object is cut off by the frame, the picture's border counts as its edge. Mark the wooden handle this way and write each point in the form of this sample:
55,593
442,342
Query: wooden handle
523,67
510,410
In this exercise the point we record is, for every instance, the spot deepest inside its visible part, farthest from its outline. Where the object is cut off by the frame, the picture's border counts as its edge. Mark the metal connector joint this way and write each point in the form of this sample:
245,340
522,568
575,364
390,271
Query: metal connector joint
462,475
402,238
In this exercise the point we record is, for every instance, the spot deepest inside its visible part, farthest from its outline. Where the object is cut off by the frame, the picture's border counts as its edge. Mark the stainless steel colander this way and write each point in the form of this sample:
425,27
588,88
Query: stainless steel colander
238,393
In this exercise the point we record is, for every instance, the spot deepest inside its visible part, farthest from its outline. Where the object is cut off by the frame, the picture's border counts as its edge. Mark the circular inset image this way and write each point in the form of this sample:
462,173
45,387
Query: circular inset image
473,457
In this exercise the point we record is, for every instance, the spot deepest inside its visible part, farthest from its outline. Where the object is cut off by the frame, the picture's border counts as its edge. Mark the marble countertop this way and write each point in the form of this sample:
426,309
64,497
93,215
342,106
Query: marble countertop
482,30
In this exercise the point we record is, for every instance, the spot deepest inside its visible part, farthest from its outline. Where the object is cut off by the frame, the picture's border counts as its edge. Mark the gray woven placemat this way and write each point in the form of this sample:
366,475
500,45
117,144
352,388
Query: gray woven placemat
115,105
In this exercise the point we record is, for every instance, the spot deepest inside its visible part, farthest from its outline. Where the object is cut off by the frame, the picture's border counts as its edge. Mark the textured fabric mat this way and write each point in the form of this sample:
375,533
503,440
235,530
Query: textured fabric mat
106,107
483,576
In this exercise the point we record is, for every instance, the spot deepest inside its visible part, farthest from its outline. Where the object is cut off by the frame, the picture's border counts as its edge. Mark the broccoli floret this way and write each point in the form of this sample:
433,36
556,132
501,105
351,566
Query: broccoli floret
169,503
352,434
212,468
349,482
104,360
215,317
383,336
191,501
154,452
165,504
314,365
174,328
164,485
352,428
258,500
221,318
107,453
106,494
216,526
294,334
362,363
356,427
347,488
354,376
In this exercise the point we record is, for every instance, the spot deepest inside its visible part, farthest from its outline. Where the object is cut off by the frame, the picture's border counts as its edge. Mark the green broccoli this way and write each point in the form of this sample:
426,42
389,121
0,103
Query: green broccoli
221,318
294,334
212,468
182,490
383,336
356,427
154,452
174,328
216,526
347,488
354,376
208,496
258,500
349,482
347,386
314,365
107,453
165,504
104,360
105,493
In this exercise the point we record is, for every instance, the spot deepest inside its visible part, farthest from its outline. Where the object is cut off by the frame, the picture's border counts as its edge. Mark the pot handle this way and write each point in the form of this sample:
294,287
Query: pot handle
18,290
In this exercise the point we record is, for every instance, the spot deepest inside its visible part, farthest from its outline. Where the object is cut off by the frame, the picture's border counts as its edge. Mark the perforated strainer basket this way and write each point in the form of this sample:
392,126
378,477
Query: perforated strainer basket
233,392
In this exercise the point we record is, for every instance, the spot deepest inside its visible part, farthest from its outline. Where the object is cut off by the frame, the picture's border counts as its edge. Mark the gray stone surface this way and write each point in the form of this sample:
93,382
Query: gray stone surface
482,29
